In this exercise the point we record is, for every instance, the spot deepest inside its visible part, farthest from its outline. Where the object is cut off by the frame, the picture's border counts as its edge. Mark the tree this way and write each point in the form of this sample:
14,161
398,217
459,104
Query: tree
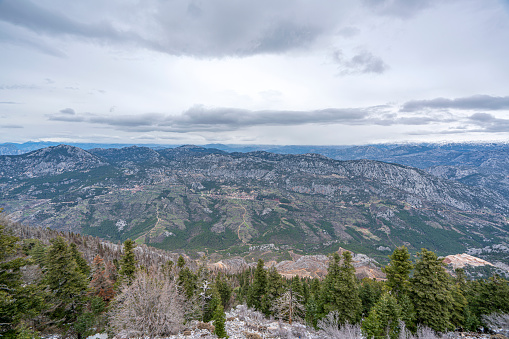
80,261
369,292
430,291
220,322
383,319
101,285
224,289
398,271
275,288
289,307
259,287
340,291
128,262
398,280
68,286
150,306
181,262
10,280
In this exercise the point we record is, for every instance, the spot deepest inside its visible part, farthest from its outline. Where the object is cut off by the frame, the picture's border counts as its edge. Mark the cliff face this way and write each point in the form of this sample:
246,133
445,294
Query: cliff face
195,198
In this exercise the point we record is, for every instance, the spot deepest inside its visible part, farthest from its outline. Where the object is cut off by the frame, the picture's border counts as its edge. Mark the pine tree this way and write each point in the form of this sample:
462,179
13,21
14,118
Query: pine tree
128,263
398,271
383,319
213,301
220,322
370,291
275,288
187,280
80,261
101,285
430,291
67,284
224,289
10,280
258,288
340,291
181,262
398,280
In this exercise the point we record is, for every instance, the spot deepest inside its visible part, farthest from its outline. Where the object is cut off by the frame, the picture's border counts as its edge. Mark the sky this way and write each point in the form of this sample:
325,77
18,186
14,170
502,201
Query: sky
321,72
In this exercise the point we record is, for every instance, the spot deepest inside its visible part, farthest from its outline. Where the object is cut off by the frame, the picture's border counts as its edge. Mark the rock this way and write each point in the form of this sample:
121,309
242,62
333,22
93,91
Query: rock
206,326
250,335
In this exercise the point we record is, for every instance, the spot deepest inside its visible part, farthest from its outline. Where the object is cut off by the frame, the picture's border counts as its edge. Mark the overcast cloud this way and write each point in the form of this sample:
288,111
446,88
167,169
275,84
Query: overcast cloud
268,71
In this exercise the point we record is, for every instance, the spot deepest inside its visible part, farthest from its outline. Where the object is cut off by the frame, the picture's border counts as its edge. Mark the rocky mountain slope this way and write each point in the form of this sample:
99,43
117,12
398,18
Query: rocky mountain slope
196,198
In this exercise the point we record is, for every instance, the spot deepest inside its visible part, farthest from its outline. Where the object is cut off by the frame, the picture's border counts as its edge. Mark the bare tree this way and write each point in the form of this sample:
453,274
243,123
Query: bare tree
497,321
423,332
288,307
331,328
151,306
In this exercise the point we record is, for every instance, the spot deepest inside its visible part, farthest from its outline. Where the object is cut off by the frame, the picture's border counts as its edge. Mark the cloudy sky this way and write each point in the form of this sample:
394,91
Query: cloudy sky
254,72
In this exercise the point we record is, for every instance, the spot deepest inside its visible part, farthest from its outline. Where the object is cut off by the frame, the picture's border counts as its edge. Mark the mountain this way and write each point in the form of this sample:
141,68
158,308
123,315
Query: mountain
203,199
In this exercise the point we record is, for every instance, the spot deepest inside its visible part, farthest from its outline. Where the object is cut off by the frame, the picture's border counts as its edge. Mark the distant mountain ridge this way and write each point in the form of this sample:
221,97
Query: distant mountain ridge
198,198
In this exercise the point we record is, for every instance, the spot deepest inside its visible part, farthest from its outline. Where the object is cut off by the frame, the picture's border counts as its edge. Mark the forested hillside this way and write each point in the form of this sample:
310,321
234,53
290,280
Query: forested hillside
49,284
201,199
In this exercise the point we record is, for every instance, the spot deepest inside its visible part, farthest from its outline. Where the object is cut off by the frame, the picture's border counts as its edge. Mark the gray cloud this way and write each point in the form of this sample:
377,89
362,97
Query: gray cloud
398,8
476,102
16,87
69,111
197,28
200,118
361,63
9,103
489,123
11,126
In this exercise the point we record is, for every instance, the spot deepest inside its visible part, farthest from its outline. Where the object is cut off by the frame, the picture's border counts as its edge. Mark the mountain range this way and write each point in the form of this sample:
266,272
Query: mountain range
205,199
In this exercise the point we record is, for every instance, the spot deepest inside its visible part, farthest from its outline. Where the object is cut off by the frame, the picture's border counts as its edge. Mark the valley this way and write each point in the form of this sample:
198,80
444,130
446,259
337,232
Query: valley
197,199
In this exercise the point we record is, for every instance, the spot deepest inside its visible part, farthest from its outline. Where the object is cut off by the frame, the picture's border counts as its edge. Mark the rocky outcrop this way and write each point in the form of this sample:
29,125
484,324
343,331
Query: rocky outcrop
462,260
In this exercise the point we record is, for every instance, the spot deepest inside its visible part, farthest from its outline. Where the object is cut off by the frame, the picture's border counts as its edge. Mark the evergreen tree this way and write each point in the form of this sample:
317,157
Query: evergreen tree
187,280
211,306
224,289
10,280
181,262
398,280
80,261
128,263
67,284
274,289
340,291
258,288
220,322
38,253
383,319
369,292
430,291
459,303
398,271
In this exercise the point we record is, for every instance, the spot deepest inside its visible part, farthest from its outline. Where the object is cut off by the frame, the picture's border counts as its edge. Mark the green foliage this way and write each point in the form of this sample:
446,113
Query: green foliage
398,271
83,326
219,322
258,288
187,280
68,286
275,288
128,263
340,290
383,319
430,291
224,289
25,332
80,261
369,292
